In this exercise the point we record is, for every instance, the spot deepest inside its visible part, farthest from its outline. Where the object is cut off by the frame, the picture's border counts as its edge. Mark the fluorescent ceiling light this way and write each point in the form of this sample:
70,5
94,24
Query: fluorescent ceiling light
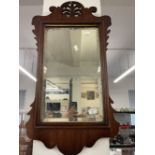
124,74
27,73
76,48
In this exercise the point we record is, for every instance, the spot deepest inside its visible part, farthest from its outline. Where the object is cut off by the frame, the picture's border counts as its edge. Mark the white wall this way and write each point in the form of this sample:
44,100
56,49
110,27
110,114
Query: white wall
27,60
122,28
119,92
99,148
26,37
28,85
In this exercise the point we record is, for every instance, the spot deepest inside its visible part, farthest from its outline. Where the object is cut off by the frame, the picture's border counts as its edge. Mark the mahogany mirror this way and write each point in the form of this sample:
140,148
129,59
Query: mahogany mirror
72,101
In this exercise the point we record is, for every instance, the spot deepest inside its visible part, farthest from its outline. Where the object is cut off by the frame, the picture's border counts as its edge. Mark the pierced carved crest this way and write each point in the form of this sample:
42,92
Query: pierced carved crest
72,9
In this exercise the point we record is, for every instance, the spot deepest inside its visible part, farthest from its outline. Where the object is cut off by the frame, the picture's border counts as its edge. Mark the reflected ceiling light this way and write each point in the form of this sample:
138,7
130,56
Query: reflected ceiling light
76,48
27,73
54,89
98,69
45,69
127,72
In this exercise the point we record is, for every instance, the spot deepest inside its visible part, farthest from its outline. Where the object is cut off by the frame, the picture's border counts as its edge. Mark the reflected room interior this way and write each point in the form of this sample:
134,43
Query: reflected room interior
72,90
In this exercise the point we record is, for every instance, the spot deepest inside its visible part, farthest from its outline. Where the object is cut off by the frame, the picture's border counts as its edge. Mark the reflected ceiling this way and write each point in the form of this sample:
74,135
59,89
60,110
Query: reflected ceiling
71,51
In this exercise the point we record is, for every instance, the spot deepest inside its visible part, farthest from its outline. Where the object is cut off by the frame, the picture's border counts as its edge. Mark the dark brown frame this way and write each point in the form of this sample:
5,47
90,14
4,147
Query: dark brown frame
66,135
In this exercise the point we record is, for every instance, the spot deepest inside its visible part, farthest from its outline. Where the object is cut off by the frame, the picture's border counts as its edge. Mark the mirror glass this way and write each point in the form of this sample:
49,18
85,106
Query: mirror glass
72,89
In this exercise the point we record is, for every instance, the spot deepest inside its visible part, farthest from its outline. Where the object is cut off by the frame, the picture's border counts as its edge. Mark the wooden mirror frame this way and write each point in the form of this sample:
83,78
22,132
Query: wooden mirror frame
70,138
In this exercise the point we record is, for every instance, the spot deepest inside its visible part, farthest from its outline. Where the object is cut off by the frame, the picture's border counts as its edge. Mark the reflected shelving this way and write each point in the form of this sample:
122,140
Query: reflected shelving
125,139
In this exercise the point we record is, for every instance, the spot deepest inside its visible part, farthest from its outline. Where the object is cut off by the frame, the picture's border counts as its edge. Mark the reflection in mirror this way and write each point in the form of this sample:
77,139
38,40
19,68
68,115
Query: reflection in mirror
72,77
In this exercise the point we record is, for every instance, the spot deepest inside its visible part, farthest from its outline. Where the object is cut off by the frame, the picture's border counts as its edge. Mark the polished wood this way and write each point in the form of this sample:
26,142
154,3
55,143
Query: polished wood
70,138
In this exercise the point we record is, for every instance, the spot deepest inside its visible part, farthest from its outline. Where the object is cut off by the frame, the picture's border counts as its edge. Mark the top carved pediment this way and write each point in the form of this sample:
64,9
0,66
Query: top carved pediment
72,9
